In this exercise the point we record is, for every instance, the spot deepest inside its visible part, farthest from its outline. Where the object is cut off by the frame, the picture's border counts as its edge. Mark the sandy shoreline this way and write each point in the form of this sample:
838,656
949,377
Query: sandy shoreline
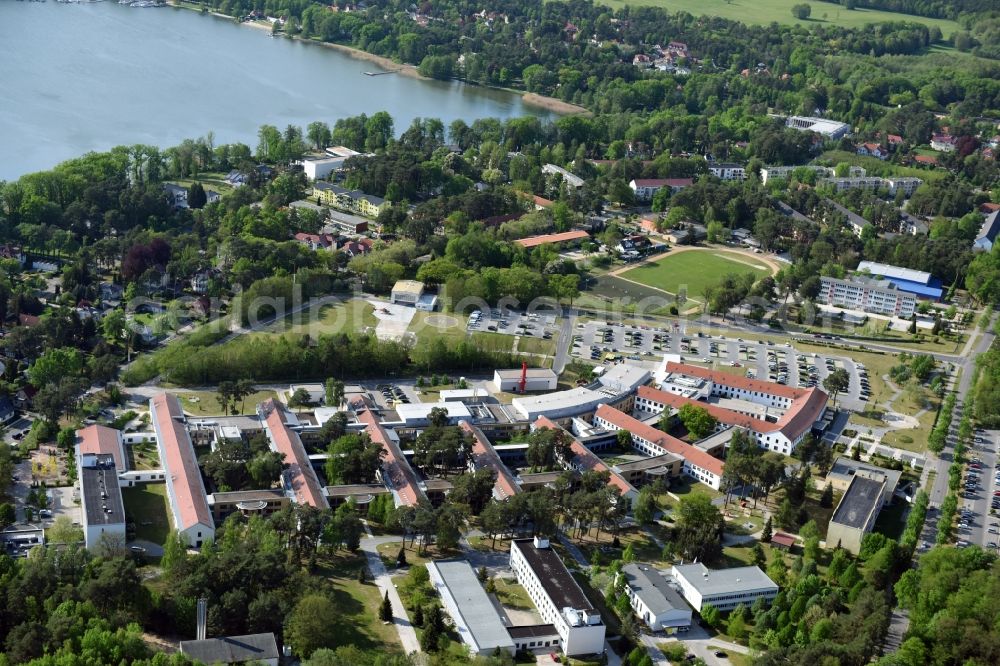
554,105
532,99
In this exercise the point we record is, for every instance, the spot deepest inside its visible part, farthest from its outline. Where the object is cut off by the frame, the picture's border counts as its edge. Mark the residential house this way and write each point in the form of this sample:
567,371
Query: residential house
570,179
944,143
727,171
316,241
872,150
646,188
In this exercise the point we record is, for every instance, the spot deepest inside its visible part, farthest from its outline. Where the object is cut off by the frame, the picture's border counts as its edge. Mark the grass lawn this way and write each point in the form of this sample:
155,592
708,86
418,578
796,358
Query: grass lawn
358,603
429,326
532,345
146,506
348,316
762,12
206,403
143,456
512,594
686,486
694,270
623,295
876,167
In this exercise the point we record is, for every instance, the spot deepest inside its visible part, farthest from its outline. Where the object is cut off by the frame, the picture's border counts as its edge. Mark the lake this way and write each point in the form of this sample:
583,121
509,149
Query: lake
83,77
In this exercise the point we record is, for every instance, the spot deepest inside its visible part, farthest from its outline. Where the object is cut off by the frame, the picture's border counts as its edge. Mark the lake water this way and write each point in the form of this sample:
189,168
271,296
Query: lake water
76,78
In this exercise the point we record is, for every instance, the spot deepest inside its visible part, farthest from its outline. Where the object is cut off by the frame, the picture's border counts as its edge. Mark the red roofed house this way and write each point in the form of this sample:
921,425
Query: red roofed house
647,439
894,140
102,440
926,160
646,188
299,478
943,142
357,248
796,409
185,489
584,460
564,238
872,150
316,241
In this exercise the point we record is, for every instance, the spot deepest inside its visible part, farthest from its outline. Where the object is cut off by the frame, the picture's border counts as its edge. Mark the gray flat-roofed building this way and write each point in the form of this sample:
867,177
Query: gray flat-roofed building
725,589
654,601
845,469
255,648
101,497
476,619
856,514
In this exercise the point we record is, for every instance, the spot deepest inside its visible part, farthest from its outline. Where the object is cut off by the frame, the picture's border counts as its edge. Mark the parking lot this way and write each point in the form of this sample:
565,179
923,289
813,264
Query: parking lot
977,521
600,341
537,325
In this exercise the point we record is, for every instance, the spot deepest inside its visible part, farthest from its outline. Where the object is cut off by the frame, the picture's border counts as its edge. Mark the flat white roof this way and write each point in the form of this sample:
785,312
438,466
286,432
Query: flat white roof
897,272
422,410
546,373
710,582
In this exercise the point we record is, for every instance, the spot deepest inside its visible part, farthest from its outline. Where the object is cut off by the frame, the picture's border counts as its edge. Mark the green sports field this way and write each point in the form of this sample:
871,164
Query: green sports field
694,270
762,12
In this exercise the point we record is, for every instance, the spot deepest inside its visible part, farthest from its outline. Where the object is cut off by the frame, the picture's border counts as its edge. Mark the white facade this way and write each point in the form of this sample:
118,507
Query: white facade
321,168
581,630
724,589
102,509
868,296
538,379
407,292
727,171
654,602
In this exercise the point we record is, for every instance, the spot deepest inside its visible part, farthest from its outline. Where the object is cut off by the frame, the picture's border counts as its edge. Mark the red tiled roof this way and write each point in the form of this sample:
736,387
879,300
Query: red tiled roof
586,459
395,468
736,381
535,241
925,159
692,454
27,320
807,404
722,414
989,207
485,455
300,474
102,440
179,463
783,539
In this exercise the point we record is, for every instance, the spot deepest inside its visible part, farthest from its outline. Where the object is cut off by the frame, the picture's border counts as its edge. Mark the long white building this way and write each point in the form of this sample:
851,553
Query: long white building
557,596
868,295
185,489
